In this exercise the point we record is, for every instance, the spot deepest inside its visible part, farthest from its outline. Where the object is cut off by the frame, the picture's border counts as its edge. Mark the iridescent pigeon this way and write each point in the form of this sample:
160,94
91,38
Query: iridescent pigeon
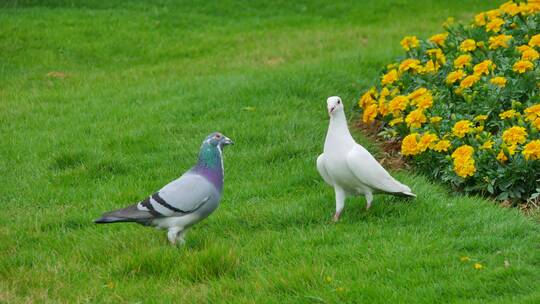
185,201
349,167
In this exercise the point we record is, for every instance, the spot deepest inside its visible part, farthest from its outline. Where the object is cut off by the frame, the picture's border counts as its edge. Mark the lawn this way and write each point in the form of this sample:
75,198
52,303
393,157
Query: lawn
103,102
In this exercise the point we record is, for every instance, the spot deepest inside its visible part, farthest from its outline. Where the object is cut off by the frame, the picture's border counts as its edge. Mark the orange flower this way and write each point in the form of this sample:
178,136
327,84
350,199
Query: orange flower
494,25
468,45
462,61
523,66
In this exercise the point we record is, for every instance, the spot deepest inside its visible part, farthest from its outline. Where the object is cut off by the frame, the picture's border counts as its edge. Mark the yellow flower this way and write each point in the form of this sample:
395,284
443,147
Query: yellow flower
442,146
514,135
409,145
430,67
481,118
483,67
395,121
424,101
455,76
530,55
398,104
510,8
463,161
366,100
409,64
532,112
480,19
439,39
535,40
389,77
501,157
469,81
496,42
383,107
417,93
508,114
487,145
427,141
409,42
468,45
478,266
465,259
494,25
384,92
536,123
498,81
370,113
493,14
462,61
461,128
523,66
435,119
438,54
415,119
523,48
532,150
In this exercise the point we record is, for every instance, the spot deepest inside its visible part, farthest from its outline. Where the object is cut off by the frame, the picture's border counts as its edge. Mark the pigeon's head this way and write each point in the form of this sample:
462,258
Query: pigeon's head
217,139
334,105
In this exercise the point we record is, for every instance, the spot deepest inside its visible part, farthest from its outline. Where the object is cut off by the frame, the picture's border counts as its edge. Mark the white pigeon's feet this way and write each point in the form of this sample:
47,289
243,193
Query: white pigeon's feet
173,234
335,219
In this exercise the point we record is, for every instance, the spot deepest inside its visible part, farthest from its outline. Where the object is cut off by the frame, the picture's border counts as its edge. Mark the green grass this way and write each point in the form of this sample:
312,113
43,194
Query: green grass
146,81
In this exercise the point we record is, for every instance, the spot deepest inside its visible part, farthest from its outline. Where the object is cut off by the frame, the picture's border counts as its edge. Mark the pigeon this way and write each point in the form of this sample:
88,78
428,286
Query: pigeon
349,167
185,201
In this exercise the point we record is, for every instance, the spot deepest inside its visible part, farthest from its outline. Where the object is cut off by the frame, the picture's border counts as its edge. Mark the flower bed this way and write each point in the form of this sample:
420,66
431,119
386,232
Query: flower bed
466,103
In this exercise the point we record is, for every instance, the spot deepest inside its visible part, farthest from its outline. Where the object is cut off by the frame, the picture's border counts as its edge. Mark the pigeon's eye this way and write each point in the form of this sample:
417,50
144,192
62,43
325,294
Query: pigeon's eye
218,136
339,101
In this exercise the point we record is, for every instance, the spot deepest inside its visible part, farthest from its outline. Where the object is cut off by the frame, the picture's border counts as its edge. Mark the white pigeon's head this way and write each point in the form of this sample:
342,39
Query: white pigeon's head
334,105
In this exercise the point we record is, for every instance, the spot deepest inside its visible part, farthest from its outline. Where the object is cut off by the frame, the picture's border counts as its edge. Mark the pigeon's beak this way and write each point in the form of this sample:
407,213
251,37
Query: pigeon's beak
331,109
227,141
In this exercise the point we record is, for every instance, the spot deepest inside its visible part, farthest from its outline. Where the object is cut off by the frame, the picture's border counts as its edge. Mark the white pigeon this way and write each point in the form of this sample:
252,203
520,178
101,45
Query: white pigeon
349,167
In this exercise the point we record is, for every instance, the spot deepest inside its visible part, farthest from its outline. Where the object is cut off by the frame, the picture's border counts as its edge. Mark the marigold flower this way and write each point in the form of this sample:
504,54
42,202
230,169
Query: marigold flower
435,119
438,54
442,146
469,81
494,25
487,145
366,100
532,112
483,67
531,151
439,39
468,45
416,118
535,40
523,66
514,135
480,19
530,55
395,121
508,114
430,67
461,128
417,93
424,102
481,117
536,124
501,157
478,266
398,104
493,14
409,42
409,64
389,77
455,76
510,8
496,42
409,145
427,141
462,61
463,161
498,81
370,113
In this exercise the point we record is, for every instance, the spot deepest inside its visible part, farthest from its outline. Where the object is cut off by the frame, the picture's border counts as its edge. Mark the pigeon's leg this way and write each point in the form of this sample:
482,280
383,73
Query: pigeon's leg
340,202
180,237
172,234
369,199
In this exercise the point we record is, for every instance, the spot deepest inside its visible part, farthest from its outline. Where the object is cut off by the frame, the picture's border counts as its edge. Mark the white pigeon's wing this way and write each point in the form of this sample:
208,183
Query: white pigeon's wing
181,196
368,171
322,170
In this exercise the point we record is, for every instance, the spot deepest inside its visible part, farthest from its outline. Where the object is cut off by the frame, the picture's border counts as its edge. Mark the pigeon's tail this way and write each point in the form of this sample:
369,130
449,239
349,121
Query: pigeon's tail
128,214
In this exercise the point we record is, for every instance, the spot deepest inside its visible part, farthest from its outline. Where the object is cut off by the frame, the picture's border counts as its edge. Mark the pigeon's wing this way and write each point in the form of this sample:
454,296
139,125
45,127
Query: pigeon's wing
369,172
182,196
322,169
